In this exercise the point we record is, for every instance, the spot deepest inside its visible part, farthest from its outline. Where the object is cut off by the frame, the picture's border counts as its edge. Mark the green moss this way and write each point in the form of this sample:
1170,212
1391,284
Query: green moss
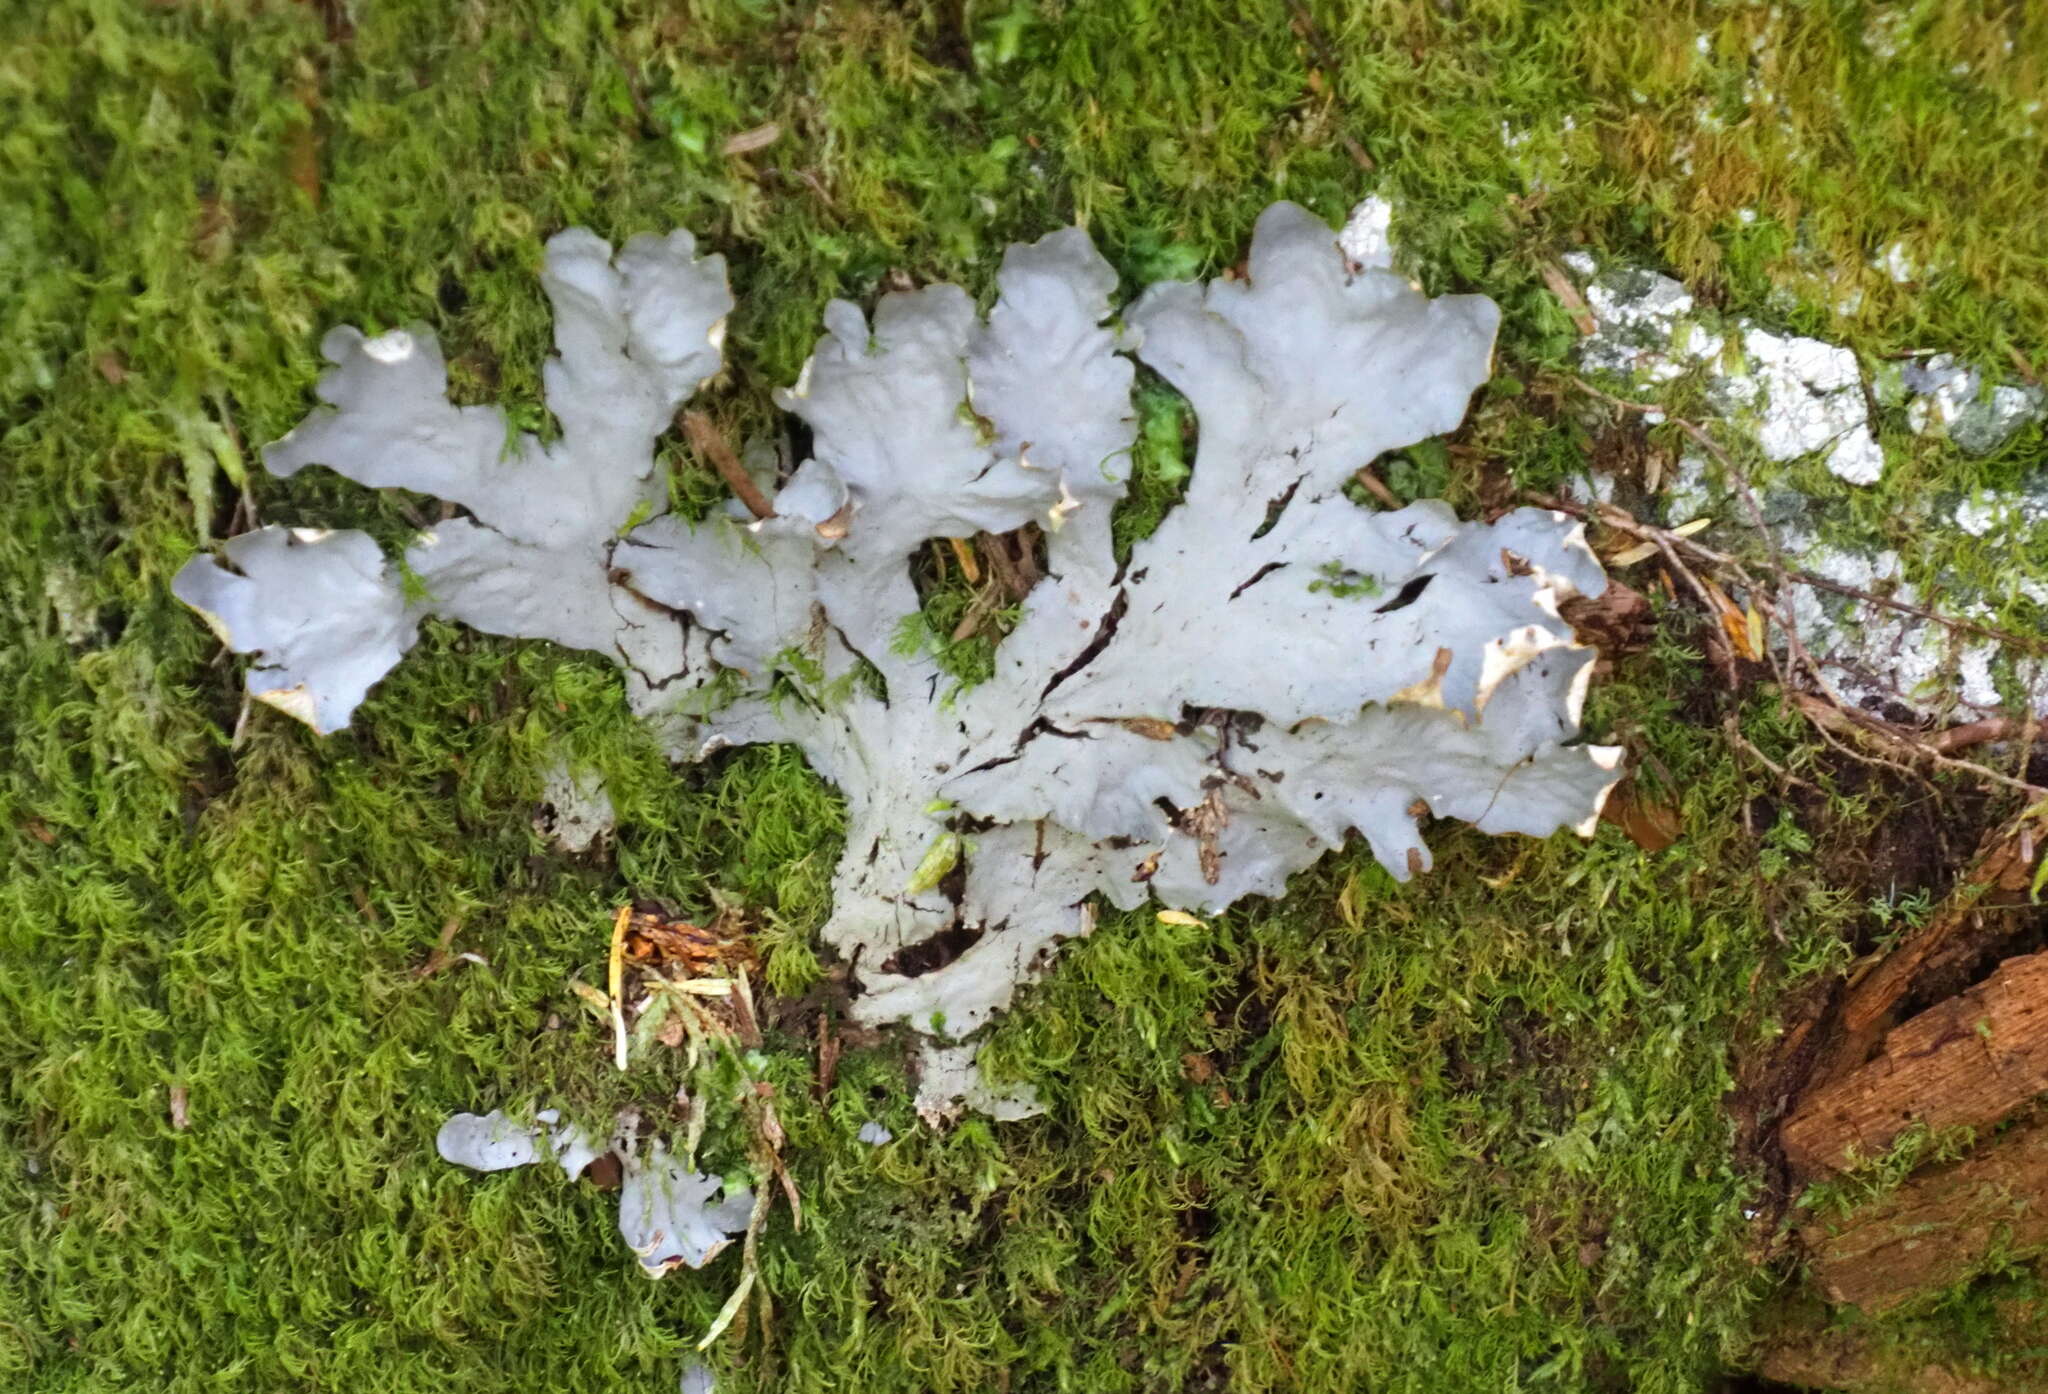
1467,1133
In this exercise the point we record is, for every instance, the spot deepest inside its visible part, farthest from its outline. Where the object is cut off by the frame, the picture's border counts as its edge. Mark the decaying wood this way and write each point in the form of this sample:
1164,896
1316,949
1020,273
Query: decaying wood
1845,1361
1940,1227
1617,622
1999,874
1970,1061
1851,1361
1012,567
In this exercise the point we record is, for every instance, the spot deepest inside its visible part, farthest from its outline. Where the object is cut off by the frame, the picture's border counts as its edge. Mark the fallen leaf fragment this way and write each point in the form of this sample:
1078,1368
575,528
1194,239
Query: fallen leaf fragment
181,1100
668,943
1152,728
617,973
963,551
1650,823
596,1001
1756,631
746,142
1744,634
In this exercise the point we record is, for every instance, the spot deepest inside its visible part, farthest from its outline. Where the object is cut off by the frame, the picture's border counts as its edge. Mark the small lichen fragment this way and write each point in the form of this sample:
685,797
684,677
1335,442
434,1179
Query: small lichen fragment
576,808
70,599
1950,399
488,1142
322,611
667,1215
950,1083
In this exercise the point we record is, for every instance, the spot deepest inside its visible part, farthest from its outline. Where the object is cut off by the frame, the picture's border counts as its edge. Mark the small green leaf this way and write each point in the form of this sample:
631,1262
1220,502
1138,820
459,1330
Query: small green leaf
939,858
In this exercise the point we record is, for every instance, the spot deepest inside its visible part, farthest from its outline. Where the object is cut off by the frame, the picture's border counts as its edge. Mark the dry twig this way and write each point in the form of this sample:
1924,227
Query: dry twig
1828,714
711,445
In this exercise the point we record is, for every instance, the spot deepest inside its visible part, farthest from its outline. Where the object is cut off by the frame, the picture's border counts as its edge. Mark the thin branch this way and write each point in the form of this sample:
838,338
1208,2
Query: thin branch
1828,713
1778,564
711,445
1372,484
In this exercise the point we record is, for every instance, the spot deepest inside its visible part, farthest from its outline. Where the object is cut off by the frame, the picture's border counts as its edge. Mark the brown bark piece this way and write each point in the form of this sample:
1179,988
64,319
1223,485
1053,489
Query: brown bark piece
1938,1228
2004,864
1845,1360
1972,1060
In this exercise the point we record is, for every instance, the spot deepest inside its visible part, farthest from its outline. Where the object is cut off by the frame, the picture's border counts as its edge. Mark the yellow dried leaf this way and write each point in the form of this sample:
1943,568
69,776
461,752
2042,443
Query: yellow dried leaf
1152,728
1735,623
1181,917
616,980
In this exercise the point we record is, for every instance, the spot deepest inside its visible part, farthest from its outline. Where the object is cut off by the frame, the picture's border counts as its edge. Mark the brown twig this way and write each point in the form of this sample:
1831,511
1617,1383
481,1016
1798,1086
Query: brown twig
1568,295
1615,518
817,186
711,445
828,1056
1982,631
440,958
984,604
1733,732
1778,564
1997,728
1372,484
1827,714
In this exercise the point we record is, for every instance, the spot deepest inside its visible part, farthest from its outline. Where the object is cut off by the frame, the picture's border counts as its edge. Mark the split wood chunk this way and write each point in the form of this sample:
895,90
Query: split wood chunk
1972,1060
1940,1227
1997,876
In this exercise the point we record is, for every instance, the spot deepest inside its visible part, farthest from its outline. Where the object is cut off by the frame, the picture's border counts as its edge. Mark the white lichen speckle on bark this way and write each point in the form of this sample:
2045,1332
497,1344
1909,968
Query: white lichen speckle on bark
1797,397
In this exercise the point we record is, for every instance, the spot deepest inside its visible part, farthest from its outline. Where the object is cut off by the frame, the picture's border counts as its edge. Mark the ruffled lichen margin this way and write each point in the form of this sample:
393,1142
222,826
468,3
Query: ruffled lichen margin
1272,669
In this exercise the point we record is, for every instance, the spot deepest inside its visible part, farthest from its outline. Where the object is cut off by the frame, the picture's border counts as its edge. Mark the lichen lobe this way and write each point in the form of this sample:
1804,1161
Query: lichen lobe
1273,669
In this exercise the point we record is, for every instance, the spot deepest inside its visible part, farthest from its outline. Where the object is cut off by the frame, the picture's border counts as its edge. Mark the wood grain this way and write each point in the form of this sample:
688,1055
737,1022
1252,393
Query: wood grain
1941,1226
1971,1060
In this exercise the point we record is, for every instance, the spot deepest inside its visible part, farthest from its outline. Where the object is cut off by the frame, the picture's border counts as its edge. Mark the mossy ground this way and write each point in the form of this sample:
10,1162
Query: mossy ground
1470,1133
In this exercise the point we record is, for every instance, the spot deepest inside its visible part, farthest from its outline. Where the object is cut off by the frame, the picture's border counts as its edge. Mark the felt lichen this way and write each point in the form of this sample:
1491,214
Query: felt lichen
1197,723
